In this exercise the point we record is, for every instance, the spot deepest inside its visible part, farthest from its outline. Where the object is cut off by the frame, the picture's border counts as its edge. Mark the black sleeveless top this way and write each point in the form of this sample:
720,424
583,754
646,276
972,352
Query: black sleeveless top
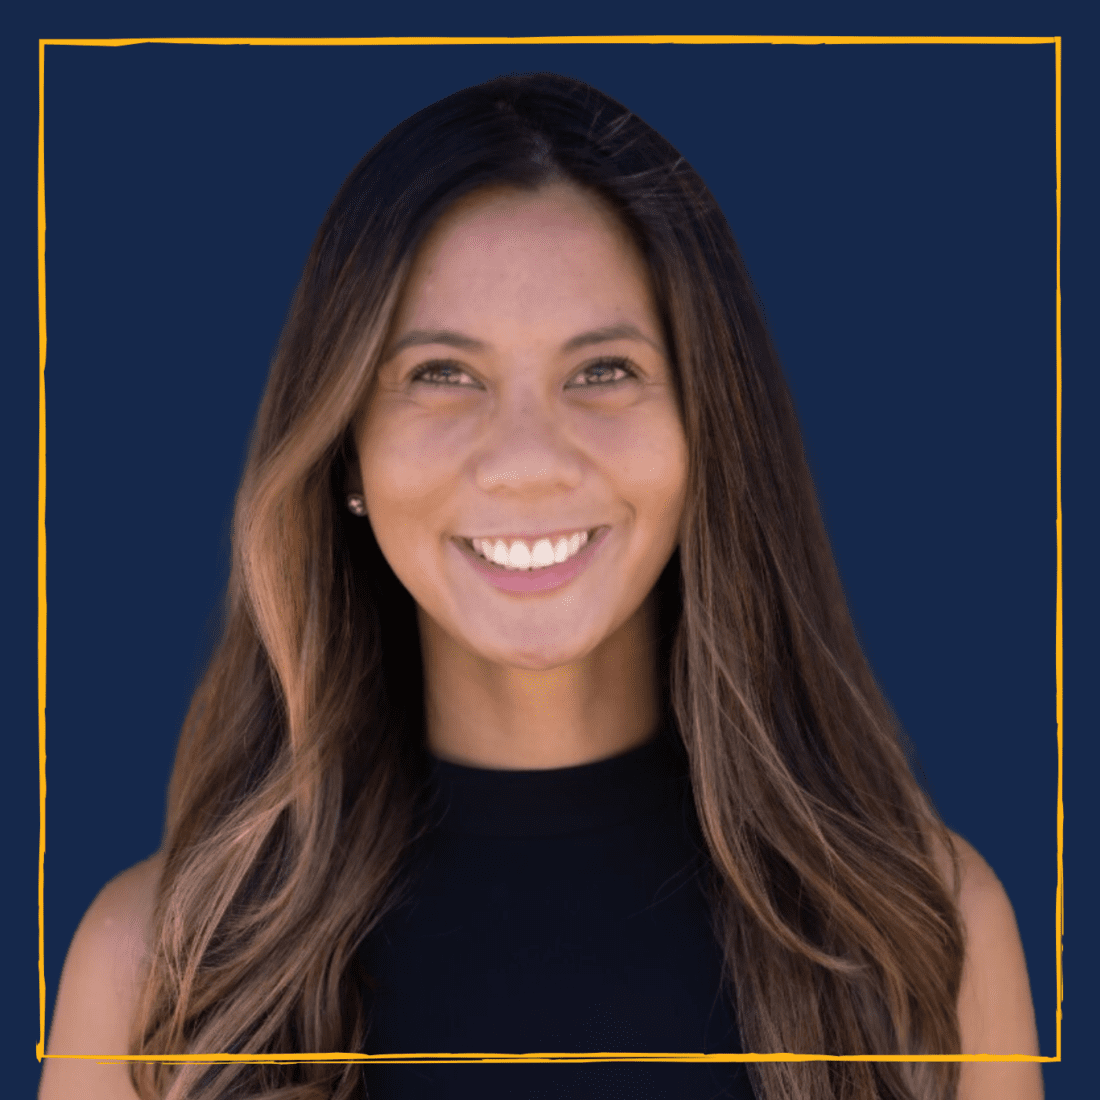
555,911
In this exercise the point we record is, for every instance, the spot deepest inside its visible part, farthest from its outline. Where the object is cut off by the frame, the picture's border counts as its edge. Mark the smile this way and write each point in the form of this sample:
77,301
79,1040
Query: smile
578,552
537,554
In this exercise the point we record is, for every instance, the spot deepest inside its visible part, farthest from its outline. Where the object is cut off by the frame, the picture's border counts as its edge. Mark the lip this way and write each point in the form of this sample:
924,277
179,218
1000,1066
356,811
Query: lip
553,536
523,582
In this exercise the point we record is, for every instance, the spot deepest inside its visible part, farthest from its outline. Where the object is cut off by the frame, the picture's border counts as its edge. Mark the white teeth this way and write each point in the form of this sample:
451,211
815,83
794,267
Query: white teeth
520,556
542,553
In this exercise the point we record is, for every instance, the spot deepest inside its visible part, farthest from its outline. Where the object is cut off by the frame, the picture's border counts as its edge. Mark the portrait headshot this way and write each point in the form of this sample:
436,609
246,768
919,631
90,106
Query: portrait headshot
549,554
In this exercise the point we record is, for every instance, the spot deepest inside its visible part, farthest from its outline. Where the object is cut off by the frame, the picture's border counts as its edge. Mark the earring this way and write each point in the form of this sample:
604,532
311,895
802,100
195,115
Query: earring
356,505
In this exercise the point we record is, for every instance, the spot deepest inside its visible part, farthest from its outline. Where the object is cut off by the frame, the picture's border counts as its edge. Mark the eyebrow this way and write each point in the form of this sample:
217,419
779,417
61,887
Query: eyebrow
417,337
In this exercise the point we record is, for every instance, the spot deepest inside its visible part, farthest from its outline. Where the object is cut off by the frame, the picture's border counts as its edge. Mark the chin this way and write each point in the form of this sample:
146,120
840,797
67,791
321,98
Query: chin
534,654
536,658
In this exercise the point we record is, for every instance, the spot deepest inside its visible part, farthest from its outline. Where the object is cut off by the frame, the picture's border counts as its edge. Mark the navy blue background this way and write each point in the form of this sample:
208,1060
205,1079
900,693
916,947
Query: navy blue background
895,206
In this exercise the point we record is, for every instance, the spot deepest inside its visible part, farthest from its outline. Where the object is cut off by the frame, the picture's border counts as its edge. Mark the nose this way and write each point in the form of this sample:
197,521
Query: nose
526,450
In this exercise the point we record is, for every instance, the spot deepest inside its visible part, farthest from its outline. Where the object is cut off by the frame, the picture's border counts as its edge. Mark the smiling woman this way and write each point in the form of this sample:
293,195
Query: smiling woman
539,722
527,452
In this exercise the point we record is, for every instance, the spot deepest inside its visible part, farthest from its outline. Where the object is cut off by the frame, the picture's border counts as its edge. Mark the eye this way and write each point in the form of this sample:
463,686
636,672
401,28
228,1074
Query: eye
444,372
443,367
608,366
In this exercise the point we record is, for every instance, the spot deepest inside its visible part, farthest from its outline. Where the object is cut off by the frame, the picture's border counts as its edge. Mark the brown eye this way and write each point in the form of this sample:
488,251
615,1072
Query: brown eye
443,368
607,368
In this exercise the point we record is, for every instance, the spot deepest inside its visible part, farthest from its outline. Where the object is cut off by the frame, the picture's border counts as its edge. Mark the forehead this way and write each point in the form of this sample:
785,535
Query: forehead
525,253
556,205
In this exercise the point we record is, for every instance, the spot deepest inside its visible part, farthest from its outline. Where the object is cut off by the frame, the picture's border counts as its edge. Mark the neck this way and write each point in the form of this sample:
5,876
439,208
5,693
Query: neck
487,715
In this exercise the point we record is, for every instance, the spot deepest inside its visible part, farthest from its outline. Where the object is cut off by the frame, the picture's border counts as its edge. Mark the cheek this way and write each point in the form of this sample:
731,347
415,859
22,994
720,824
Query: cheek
406,461
653,463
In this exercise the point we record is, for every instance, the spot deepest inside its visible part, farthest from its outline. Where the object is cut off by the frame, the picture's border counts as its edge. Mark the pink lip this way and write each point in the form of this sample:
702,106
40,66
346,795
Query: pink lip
524,582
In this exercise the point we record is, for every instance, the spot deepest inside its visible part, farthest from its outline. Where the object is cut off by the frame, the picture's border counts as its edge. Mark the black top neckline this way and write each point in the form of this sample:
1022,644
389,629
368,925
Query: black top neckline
553,801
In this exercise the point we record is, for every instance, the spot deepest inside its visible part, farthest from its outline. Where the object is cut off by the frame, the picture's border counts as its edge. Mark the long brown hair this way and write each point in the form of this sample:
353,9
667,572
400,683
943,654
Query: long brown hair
299,781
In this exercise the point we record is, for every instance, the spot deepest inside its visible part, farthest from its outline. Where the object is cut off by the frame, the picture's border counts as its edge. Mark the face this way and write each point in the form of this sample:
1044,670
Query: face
526,390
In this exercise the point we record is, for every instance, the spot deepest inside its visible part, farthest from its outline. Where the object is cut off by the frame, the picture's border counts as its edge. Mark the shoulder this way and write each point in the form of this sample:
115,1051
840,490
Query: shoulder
981,898
99,987
996,1015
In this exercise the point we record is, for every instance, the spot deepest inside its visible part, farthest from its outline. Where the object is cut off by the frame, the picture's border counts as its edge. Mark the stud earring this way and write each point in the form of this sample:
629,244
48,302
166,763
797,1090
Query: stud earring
356,505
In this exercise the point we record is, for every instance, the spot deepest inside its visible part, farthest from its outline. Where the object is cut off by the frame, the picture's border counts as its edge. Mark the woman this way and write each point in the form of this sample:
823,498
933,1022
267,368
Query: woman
539,722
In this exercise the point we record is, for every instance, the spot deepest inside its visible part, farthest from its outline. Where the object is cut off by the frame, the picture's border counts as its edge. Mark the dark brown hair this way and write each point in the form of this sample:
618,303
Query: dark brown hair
298,784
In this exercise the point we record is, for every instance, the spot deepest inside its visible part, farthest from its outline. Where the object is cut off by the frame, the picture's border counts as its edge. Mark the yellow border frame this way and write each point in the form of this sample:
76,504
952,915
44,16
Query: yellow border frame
685,39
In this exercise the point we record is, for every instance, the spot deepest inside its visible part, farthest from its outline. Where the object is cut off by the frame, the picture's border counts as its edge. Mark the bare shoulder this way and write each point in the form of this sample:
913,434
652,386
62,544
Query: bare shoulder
99,987
996,1014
